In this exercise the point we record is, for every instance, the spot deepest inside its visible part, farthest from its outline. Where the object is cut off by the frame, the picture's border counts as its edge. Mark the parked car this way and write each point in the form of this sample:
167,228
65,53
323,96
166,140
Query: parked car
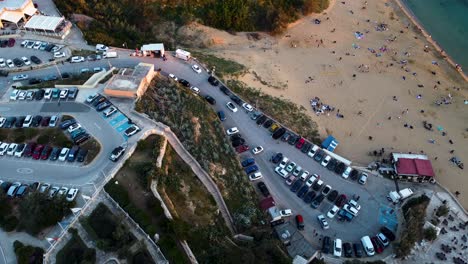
302,191
231,107
255,176
358,250
76,59
383,239
377,246
132,130
309,197
117,153
213,81
221,115
71,194
196,68
277,158
279,133
326,245
300,143
251,169
53,121
63,154
363,178
20,77
36,60
323,222
263,189
247,162
332,165
296,185
337,248
326,190
348,250
333,211
210,100
317,201
388,233
326,161
285,212
20,150
346,172
300,222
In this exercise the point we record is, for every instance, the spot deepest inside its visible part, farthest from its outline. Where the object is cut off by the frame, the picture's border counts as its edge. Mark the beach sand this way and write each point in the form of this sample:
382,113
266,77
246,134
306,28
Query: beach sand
304,63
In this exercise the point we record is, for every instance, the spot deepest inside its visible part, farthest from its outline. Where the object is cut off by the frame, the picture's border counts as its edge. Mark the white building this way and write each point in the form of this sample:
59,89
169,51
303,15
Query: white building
15,11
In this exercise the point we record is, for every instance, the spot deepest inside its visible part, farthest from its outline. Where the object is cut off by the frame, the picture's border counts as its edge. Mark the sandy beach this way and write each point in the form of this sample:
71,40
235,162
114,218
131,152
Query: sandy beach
369,62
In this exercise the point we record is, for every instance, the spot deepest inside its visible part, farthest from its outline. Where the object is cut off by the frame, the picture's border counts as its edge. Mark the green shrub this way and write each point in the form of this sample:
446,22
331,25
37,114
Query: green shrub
430,234
30,132
19,139
118,193
27,254
10,223
17,245
43,139
75,251
442,210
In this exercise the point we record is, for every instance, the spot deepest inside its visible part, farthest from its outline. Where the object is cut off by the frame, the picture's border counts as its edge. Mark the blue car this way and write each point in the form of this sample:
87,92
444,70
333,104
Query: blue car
248,162
296,185
251,169
309,197
345,215
302,191
221,116
65,124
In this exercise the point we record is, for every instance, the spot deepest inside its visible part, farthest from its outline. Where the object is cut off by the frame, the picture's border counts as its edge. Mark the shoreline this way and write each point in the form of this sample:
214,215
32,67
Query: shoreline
429,38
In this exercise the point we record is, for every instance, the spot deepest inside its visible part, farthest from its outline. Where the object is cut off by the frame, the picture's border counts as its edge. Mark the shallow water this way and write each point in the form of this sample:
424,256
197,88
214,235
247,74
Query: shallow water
447,22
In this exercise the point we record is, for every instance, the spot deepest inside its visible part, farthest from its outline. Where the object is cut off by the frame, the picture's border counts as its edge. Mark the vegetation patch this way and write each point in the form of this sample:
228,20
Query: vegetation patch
284,111
222,66
26,254
75,79
76,251
93,147
108,230
414,212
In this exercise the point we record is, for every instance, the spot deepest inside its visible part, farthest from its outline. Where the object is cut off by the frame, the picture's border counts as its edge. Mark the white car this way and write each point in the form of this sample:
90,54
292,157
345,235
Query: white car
326,160
132,130
257,150
26,61
59,54
173,77
291,166
232,131
28,121
101,47
62,191
382,238
48,94
333,211
354,204
63,93
282,172
313,150
350,209
22,95
37,45
63,154
3,148
44,187
20,150
283,162
10,63
255,176
109,111
76,59
231,107
297,170
196,68
312,179
285,212
73,127
195,90
363,178
346,172
304,175
247,107
53,121
20,77
337,247
72,194
323,222
2,62
2,121
14,95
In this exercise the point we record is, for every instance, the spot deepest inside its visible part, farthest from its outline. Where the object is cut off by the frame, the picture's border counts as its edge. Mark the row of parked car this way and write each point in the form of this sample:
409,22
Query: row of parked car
47,94
17,189
42,152
77,133
28,121
102,104
19,62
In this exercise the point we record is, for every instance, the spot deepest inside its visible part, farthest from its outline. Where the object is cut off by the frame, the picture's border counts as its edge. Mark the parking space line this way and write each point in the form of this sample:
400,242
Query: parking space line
46,162
97,126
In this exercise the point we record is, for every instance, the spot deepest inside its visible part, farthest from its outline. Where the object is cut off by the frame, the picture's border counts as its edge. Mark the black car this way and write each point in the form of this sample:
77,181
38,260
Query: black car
277,157
35,81
49,47
100,107
98,100
277,222
348,250
10,122
236,100
261,120
18,62
279,133
331,165
309,197
4,73
22,191
319,155
39,95
235,136
65,124
302,191
82,138
341,200
19,121
263,189
36,121
80,157
340,168
238,142
225,90
5,186
184,83
36,60
55,153
66,75
210,100
388,233
332,196
213,81
296,185
326,245
354,174
3,43
293,139
358,250
268,123
305,148
51,77
286,136
317,201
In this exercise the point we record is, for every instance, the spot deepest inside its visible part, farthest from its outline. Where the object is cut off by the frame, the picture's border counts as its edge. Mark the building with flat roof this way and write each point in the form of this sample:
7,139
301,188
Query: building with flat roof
413,167
130,83
15,11
48,25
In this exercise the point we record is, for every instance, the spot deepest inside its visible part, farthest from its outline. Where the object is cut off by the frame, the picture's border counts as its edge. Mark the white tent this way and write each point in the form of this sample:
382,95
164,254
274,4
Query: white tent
155,47
46,23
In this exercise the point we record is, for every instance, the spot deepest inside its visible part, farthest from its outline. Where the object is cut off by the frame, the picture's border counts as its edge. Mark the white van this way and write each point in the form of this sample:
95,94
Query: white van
337,247
367,245
312,151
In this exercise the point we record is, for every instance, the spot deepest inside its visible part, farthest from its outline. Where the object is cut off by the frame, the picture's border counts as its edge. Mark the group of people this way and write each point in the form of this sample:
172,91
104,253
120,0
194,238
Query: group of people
320,108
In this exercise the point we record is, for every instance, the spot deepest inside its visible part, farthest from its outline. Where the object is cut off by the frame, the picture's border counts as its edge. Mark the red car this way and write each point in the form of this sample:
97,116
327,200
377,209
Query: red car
242,148
340,202
11,42
377,246
37,152
46,153
28,150
300,143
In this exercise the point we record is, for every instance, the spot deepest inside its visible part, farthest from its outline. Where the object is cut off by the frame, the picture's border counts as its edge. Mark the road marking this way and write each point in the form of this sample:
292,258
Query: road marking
25,170
97,126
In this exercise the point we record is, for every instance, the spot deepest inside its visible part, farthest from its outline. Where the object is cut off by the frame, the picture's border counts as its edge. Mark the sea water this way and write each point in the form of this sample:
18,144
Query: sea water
447,22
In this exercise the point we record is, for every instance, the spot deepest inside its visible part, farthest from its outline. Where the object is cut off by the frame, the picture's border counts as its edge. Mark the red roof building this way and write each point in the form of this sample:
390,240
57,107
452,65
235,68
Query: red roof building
413,167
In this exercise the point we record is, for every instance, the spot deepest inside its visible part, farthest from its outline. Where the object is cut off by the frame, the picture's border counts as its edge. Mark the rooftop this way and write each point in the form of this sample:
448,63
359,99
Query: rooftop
39,22
129,79
422,167
13,4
